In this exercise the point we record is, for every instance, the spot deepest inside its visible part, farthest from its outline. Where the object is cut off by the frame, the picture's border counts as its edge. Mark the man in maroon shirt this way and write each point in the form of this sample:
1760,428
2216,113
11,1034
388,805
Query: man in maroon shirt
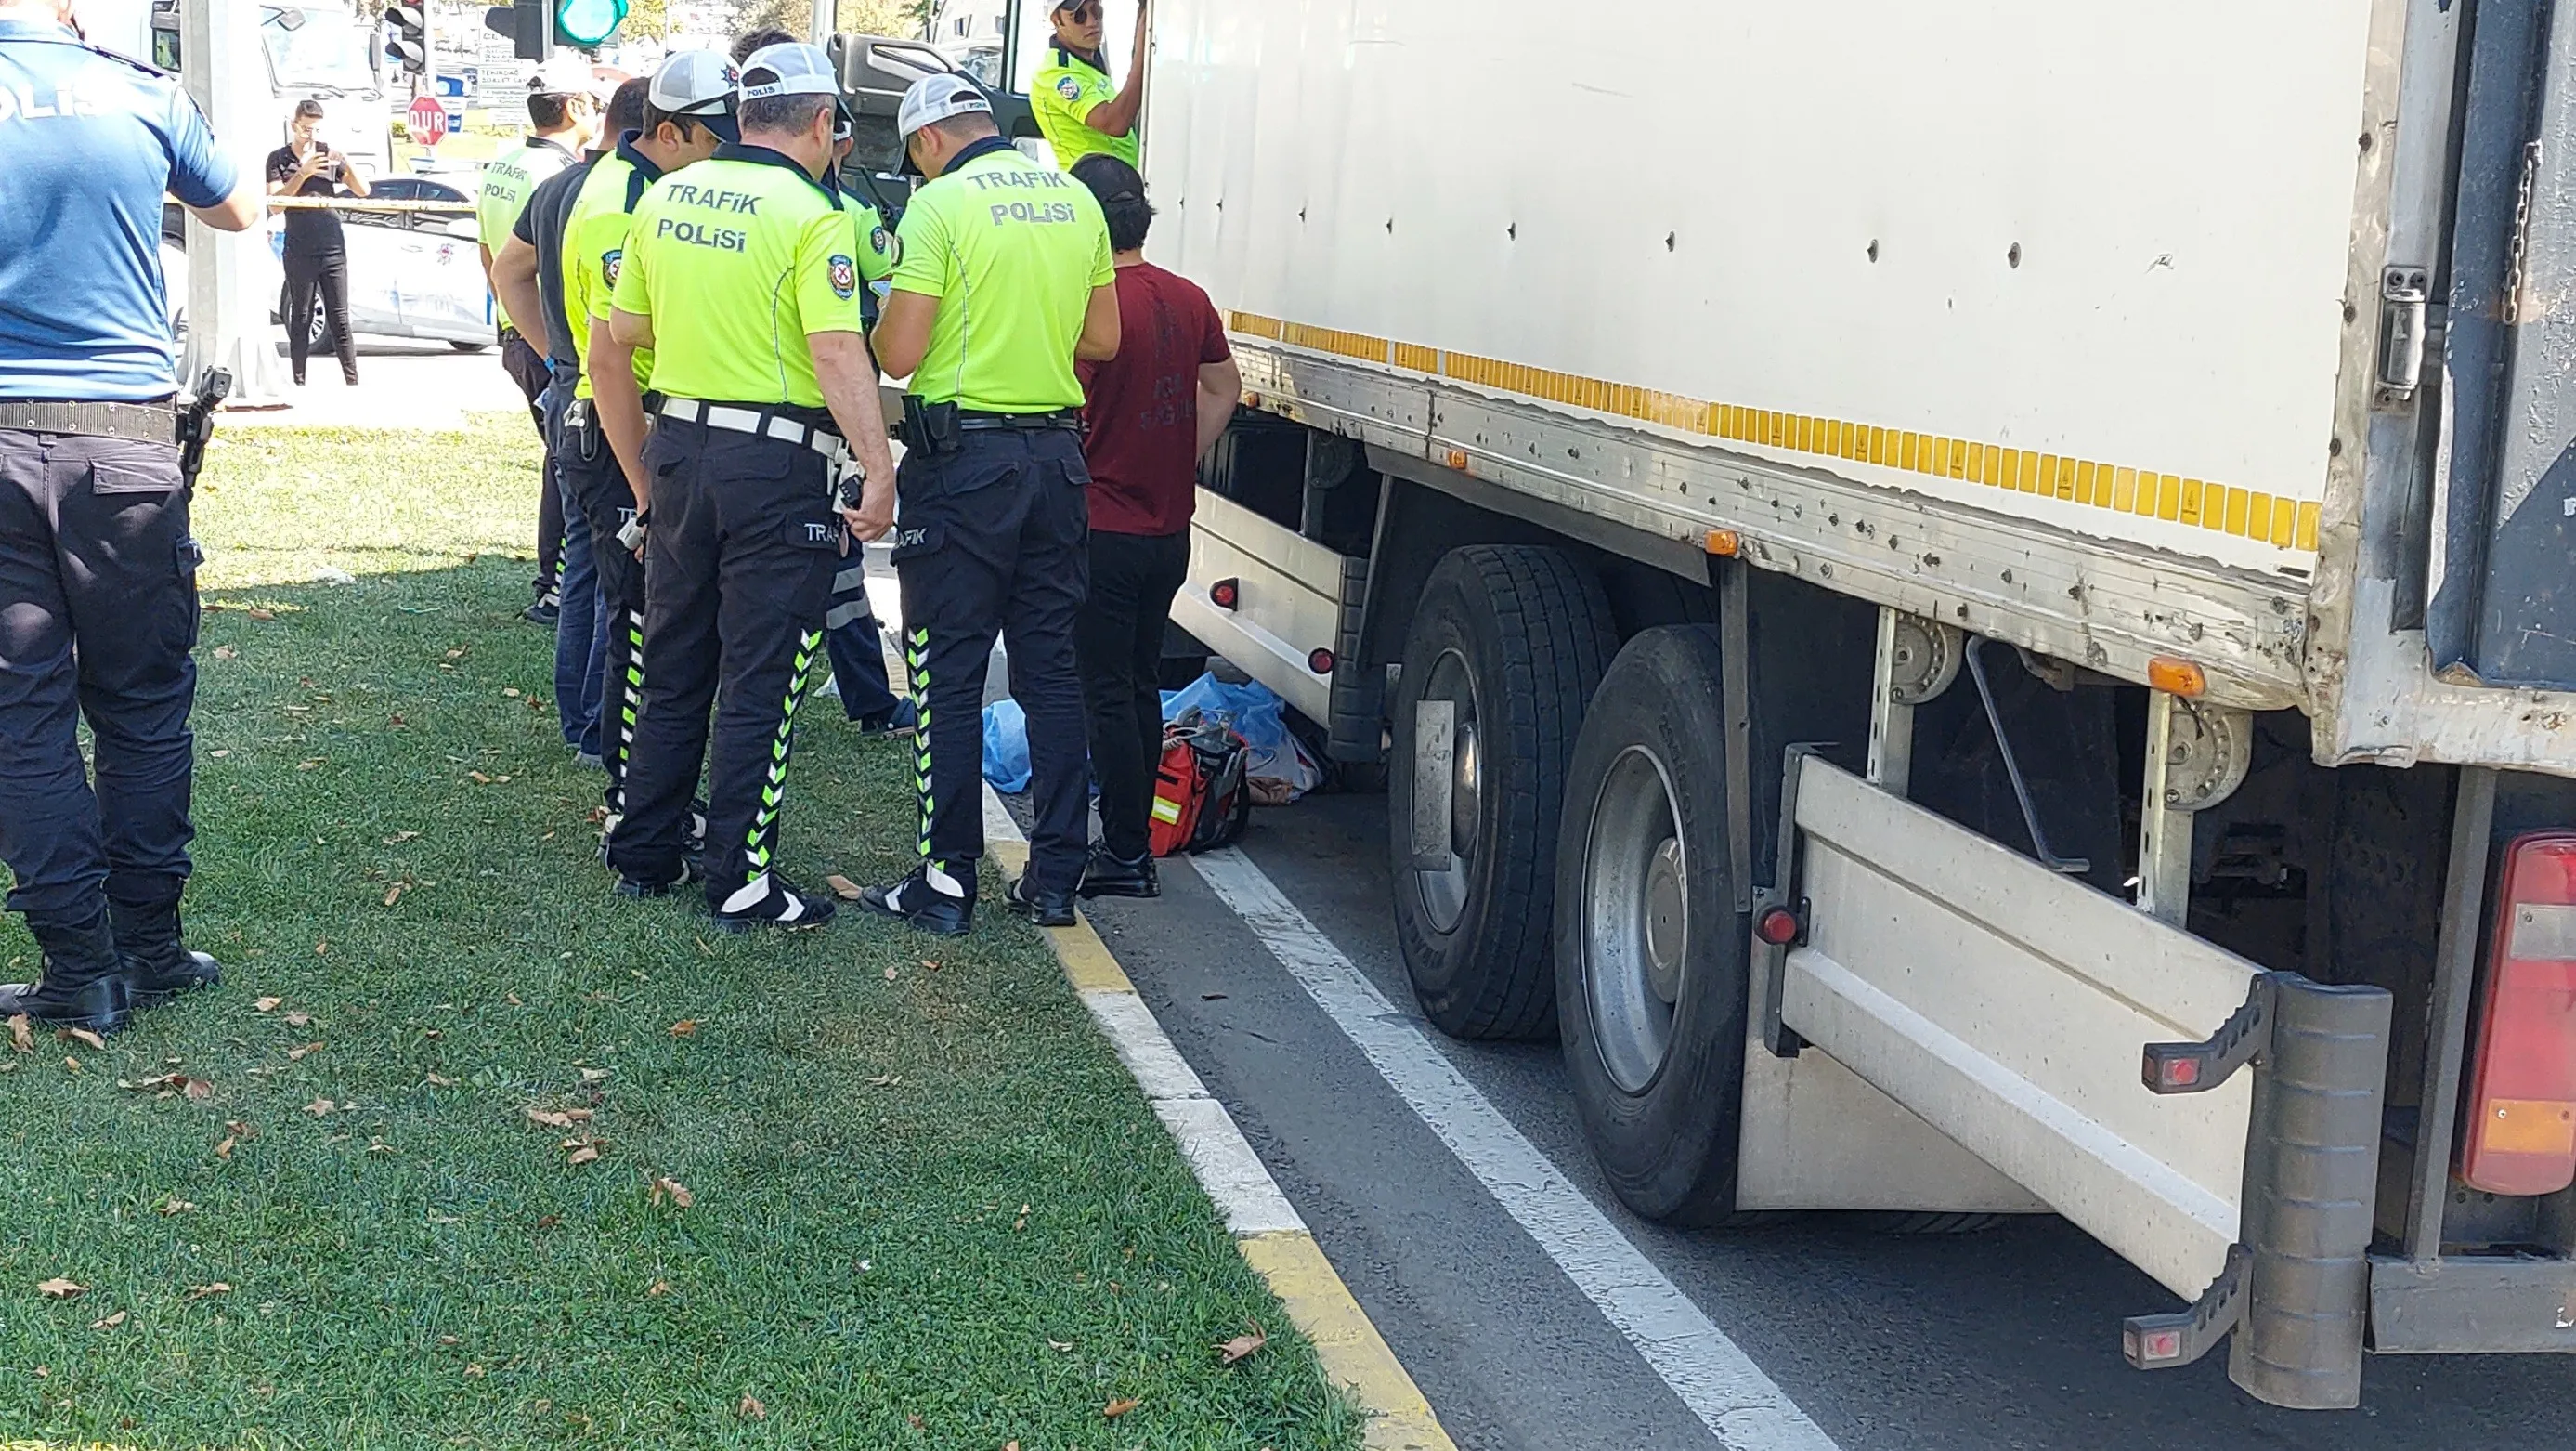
1153,412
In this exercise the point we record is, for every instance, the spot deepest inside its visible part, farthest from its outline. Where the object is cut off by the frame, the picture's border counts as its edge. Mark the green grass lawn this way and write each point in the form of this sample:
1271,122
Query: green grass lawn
919,1203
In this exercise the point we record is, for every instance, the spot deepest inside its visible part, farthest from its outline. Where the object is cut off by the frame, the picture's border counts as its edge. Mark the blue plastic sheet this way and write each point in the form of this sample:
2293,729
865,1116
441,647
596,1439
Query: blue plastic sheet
1006,747
1261,718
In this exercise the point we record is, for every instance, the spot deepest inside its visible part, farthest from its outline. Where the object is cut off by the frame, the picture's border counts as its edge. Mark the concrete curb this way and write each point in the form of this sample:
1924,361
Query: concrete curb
1266,1229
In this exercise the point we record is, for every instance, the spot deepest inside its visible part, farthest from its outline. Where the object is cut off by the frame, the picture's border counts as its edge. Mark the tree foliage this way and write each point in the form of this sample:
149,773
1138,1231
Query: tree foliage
855,17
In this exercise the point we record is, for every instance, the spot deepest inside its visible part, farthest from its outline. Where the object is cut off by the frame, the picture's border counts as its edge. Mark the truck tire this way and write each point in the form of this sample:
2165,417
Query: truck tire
1652,959
1516,637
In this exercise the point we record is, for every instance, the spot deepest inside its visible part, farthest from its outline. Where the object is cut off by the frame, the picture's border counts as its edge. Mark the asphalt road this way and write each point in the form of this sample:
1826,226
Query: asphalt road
2007,1338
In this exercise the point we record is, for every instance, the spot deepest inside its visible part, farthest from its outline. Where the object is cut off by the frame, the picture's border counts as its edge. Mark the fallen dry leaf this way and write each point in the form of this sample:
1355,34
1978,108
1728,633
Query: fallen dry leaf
399,837
474,1372
225,652
263,616
267,1005
548,1221
70,1064
511,691
751,1410
593,1075
318,1107
224,1149
84,1037
173,1205
1241,1346
842,887
441,1080
885,1080
658,1287
557,1118
583,1151
1065,1346
20,1034
308,764
240,1130
59,1288
513,1000
108,1322
1120,1407
298,1019
672,1189
393,893
199,1292
197,1088
889,974
296,1055
685,1028
479,778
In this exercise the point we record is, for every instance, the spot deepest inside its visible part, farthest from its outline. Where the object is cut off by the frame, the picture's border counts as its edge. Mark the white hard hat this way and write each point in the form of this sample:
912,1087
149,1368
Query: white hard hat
790,68
936,98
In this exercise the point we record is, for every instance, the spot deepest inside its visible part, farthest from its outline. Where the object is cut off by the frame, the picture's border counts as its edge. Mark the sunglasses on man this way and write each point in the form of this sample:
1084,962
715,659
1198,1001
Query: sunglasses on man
1083,14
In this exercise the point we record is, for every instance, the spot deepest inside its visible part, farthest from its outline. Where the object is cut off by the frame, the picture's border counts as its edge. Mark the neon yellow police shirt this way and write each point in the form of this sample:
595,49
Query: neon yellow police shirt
594,246
737,260
1063,94
507,181
1012,250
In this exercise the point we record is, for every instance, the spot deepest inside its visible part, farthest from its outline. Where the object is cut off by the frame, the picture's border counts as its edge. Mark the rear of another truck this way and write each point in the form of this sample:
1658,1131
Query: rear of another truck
1971,603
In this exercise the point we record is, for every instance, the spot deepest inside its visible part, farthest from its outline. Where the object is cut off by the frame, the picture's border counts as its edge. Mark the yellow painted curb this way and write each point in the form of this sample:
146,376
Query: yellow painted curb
1352,1351
1354,1355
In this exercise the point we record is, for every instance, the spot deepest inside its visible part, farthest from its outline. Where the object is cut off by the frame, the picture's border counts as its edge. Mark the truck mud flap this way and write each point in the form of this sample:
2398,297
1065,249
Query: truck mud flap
2090,1053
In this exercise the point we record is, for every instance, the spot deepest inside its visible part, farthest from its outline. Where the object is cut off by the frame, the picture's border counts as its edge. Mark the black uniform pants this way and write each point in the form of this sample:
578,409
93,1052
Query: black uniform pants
98,611
322,275
599,489
528,368
989,538
1119,641
739,561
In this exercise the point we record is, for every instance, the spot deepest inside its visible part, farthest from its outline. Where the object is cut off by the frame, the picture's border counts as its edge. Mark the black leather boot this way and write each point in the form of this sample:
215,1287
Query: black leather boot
1045,908
81,982
158,965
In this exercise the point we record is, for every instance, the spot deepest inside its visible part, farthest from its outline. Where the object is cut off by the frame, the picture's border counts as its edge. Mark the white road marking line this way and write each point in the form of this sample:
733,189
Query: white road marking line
1219,1155
1709,1372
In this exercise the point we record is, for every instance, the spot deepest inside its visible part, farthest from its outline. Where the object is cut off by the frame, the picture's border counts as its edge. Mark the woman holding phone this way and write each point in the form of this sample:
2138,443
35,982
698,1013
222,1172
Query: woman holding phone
316,257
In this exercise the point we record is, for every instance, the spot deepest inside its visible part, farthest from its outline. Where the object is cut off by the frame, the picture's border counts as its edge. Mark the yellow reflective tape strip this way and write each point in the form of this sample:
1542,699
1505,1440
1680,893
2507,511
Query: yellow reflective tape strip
2285,523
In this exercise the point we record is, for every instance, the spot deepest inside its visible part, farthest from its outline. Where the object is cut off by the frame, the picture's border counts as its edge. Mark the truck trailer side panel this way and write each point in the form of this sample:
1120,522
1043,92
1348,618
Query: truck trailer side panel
2081,265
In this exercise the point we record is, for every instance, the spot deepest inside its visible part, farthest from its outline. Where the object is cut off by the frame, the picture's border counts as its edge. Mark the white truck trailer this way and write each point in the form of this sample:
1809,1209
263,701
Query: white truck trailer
1975,602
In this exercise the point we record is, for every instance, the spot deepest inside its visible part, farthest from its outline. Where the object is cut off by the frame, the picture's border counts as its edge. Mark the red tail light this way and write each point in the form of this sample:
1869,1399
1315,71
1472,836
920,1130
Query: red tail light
1225,594
2522,1097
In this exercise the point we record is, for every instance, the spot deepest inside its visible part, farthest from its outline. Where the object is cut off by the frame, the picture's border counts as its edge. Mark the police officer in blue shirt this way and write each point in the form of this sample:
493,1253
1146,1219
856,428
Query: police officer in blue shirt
98,599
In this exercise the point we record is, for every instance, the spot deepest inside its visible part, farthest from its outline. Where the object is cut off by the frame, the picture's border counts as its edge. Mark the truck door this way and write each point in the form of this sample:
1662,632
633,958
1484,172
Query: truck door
2501,607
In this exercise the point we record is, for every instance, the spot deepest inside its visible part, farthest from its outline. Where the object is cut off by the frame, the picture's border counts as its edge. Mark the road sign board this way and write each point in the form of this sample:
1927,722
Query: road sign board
428,120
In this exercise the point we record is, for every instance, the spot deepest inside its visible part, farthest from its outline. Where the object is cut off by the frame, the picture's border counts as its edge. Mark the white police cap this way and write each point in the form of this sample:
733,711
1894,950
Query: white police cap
936,98
789,68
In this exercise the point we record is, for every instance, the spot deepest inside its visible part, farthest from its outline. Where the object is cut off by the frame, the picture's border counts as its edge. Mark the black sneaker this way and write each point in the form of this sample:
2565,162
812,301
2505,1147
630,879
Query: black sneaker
546,610
768,900
902,720
923,904
1045,908
1105,875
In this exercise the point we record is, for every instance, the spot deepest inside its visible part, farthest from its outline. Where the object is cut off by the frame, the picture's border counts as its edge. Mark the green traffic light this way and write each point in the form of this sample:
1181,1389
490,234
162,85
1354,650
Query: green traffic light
588,22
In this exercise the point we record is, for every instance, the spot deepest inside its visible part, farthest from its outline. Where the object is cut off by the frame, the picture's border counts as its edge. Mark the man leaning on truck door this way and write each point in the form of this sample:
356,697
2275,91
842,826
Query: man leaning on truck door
1077,111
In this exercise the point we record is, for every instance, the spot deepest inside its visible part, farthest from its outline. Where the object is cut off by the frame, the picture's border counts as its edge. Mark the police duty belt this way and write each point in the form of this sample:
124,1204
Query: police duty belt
756,422
133,422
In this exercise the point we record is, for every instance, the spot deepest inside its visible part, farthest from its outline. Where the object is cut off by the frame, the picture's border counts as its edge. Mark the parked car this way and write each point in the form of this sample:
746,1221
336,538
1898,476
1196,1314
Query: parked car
411,274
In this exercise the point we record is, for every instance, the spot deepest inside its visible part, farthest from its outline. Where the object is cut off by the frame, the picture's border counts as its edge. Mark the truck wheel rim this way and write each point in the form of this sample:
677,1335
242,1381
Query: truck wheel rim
1636,914
1444,893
